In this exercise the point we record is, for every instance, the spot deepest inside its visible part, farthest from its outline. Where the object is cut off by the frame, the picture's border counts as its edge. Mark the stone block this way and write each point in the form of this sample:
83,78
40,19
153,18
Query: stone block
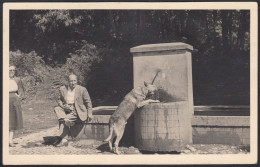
150,135
150,130
169,124
217,140
150,117
160,123
196,140
160,117
161,129
219,135
173,135
161,135
246,130
92,131
200,121
204,140
201,131
141,123
100,119
150,123
246,141
238,130
221,121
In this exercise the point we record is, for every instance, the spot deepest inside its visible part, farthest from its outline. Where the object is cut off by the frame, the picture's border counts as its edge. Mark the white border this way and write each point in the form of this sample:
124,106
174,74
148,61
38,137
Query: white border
136,159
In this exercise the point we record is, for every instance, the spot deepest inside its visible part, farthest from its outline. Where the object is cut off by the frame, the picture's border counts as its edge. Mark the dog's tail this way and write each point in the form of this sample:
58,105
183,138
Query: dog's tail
111,129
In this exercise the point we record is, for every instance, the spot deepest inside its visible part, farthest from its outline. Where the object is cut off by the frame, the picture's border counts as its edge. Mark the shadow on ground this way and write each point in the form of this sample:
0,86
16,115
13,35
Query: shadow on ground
103,148
33,144
160,152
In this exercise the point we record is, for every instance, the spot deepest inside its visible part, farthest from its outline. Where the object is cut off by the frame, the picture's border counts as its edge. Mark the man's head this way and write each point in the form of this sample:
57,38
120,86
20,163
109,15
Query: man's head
151,88
11,71
73,81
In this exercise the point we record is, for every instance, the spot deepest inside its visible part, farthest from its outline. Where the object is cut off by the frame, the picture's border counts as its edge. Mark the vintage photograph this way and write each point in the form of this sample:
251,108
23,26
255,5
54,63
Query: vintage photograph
121,80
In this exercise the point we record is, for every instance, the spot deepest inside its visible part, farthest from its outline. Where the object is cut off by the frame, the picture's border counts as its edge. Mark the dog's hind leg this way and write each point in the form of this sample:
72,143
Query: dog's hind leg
111,129
110,138
120,133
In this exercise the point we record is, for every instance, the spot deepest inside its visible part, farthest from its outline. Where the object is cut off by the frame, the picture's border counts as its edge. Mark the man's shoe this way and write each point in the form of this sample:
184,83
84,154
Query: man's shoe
62,143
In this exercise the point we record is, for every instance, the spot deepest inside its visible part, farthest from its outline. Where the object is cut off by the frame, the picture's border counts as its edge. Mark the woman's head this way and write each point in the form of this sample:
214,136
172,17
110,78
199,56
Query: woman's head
11,71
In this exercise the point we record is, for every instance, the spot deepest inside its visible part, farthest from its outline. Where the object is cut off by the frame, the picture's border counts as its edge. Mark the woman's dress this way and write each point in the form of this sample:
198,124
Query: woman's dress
15,110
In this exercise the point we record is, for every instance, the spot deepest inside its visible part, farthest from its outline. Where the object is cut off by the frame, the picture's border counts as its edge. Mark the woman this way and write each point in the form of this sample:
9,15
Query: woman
15,111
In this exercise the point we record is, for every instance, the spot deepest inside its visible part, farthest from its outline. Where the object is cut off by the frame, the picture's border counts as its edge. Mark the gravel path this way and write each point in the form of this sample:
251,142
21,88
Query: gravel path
31,144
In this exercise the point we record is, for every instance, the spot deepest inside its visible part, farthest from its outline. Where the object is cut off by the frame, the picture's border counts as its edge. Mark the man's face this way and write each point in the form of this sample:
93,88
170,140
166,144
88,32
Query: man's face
11,71
73,81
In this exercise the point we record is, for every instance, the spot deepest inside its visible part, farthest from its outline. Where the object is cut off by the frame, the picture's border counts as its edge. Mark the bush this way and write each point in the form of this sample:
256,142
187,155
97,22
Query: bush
28,64
81,62
31,68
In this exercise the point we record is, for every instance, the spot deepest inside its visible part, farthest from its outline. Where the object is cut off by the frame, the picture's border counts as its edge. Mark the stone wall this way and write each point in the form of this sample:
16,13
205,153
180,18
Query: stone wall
232,130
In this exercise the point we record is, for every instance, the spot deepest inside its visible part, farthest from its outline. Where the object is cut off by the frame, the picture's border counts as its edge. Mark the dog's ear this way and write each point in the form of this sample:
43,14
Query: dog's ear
145,83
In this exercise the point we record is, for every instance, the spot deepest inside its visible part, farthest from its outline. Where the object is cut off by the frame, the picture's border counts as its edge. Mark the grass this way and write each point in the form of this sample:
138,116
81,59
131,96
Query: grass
38,115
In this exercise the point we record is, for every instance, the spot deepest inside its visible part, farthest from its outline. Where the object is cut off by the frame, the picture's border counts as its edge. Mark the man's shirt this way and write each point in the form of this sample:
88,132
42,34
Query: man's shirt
70,96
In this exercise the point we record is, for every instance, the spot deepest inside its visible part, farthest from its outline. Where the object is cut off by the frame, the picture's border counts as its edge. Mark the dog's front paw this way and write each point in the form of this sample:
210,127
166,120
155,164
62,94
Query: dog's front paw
154,101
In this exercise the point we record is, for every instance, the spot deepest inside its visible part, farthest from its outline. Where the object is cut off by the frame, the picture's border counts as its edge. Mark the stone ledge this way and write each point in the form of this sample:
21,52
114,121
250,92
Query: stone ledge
100,119
221,121
161,47
196,121
227,135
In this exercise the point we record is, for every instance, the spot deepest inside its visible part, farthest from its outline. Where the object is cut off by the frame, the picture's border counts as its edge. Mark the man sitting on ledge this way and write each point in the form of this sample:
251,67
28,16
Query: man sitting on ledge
74,103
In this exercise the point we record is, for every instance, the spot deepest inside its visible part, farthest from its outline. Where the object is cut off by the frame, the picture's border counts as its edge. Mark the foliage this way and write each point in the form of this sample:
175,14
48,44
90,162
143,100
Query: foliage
81,62
53,19
28,64
30,67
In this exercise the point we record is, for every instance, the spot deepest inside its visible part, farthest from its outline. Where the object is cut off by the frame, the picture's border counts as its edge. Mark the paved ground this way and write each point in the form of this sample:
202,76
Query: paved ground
31,144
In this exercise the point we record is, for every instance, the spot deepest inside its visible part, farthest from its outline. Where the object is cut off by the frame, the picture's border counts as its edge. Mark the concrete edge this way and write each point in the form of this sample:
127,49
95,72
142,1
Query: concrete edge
161,47
221,121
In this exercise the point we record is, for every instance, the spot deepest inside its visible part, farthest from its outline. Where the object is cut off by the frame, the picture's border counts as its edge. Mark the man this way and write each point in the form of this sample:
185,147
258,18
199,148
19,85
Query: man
74,104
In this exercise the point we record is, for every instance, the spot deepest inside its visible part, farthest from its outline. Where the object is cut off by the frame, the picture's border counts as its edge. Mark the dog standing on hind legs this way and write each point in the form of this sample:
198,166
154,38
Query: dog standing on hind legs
133,100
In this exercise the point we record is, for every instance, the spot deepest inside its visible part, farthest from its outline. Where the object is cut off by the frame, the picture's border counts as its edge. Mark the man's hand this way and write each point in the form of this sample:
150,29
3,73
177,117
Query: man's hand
67,107
71,108
90,117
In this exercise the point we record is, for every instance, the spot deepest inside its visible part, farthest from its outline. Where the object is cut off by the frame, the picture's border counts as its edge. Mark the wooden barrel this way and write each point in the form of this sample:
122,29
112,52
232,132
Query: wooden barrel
163,127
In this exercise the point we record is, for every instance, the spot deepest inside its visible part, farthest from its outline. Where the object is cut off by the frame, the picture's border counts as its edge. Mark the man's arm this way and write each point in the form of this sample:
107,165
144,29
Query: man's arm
59,101
87,102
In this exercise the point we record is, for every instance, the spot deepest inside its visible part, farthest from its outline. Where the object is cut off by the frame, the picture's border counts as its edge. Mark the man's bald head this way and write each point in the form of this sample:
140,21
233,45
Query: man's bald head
72,81
72,76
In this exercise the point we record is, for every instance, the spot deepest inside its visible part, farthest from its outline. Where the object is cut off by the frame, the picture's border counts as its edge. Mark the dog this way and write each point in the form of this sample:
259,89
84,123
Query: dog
136,98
